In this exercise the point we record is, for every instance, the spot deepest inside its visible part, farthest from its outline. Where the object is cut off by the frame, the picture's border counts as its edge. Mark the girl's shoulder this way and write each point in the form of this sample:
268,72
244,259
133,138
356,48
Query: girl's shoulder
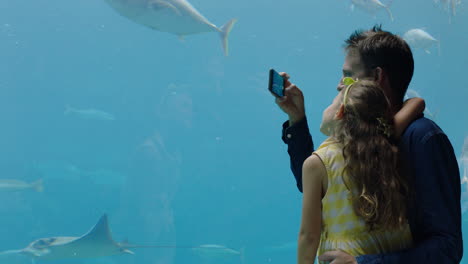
330,141
329,147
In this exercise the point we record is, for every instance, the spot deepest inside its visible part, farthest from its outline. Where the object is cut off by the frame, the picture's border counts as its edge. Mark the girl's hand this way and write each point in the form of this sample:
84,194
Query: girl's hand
412,109
418,101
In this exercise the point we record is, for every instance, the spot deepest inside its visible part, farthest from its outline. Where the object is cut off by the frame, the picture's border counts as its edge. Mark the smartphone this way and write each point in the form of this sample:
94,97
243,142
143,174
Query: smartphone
276,83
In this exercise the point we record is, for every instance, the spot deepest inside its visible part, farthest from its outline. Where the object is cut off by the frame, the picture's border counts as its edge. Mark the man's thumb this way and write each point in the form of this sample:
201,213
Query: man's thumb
280,100
328,256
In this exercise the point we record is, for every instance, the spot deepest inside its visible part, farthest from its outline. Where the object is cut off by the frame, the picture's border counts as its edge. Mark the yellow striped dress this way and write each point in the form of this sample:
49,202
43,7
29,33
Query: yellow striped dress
341,227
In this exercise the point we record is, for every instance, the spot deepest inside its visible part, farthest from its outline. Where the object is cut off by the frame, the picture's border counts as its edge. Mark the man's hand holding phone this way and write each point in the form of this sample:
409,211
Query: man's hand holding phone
292,103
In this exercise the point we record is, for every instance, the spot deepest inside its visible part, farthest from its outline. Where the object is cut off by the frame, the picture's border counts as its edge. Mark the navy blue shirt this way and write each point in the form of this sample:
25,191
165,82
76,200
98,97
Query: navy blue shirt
434,212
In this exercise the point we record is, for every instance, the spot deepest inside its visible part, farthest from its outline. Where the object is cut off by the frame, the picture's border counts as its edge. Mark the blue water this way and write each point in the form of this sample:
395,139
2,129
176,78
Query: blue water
194,155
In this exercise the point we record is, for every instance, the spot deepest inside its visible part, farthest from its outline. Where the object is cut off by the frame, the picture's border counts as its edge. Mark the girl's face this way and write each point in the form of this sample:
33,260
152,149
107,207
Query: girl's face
329,118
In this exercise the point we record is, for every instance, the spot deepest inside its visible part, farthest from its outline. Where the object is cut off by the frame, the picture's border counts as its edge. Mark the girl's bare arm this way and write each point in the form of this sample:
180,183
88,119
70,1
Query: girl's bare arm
411,110
313,172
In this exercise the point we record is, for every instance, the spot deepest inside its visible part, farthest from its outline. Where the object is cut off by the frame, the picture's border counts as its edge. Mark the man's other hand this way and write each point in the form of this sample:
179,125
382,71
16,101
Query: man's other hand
292,103
337,257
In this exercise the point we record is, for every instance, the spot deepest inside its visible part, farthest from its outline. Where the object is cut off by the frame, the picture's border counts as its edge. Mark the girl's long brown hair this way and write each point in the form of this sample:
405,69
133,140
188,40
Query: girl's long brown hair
371,157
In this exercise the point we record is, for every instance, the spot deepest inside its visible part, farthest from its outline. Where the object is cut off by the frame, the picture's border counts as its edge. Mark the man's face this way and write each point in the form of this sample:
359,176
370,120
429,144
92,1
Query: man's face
352,67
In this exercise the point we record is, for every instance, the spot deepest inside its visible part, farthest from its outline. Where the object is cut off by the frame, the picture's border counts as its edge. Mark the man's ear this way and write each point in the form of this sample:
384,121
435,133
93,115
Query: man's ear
379,75
340,113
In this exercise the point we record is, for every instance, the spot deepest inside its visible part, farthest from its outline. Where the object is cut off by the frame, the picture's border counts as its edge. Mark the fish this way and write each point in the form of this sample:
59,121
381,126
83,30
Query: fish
97,242
372,6
464,161
53,170
286,247
178,17
420,39
410,93
17,185
450,6
89,113
216,252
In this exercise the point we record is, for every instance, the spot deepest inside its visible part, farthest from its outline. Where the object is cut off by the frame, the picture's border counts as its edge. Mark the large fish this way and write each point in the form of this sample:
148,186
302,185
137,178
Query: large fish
95,243
372,6
178,17
420,39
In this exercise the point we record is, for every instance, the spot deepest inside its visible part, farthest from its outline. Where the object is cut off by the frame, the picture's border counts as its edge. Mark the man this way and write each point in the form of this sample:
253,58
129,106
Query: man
434,213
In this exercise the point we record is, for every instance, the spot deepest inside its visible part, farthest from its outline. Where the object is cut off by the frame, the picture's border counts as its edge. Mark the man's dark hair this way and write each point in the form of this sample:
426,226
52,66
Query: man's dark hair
378,48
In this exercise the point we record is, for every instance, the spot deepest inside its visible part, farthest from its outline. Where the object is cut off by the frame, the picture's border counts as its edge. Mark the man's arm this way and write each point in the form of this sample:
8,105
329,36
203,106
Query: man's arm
295,131
300,146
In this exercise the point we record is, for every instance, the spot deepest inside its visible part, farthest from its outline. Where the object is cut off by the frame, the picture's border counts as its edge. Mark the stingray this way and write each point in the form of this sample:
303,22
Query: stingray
97,242
178,17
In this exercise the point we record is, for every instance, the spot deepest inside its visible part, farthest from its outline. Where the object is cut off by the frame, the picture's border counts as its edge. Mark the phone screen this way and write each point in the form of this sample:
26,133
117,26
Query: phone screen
276,83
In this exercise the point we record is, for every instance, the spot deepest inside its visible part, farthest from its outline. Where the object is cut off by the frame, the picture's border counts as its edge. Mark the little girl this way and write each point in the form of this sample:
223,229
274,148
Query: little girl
354,198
